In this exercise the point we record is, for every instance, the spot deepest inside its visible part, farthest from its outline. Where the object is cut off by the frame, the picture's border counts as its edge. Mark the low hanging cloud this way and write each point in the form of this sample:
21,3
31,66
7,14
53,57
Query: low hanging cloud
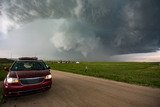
94,29
69,37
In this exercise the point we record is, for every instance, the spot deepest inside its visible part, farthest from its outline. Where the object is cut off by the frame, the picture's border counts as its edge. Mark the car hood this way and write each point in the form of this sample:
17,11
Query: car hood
29,74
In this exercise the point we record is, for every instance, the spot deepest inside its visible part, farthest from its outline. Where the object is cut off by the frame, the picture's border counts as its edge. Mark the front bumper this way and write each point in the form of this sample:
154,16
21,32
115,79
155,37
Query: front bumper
16,90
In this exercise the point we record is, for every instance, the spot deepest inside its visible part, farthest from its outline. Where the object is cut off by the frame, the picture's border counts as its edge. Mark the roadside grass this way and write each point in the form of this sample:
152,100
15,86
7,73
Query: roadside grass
140,73
2,72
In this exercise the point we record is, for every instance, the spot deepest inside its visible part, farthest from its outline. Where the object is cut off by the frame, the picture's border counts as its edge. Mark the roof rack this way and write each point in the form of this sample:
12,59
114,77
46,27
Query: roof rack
28,58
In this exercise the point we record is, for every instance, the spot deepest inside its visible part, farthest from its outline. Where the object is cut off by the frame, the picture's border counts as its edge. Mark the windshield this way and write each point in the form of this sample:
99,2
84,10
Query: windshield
28,65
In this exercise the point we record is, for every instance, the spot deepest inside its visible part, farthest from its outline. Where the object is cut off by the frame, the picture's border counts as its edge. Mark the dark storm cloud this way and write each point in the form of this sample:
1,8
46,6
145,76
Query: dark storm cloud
101,26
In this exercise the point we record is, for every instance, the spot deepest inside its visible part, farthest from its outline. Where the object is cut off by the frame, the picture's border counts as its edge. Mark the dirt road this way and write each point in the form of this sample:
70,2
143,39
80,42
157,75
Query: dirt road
71,90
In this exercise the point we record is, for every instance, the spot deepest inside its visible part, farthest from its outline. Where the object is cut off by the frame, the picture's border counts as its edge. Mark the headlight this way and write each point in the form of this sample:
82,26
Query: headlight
48,76
12,80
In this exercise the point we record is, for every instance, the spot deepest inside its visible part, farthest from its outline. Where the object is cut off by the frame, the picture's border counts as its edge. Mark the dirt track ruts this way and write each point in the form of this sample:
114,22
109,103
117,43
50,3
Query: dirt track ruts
71,90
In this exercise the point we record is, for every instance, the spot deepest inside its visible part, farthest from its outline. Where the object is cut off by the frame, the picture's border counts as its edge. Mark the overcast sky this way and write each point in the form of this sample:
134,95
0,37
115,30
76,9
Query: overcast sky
95,30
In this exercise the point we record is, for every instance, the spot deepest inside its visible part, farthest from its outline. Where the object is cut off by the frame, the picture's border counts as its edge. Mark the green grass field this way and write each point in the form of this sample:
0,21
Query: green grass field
146,74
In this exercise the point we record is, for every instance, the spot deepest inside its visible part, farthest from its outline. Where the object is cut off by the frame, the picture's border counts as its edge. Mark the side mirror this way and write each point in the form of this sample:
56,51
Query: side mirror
6,69
48,67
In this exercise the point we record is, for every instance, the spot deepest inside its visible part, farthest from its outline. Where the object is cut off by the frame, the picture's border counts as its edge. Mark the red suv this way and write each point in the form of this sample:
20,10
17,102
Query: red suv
27,75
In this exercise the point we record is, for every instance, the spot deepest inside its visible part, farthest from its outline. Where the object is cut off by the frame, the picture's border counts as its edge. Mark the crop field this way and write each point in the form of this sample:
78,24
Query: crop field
140,73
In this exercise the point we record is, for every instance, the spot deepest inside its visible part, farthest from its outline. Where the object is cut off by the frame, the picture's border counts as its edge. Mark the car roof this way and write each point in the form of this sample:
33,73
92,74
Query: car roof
28,58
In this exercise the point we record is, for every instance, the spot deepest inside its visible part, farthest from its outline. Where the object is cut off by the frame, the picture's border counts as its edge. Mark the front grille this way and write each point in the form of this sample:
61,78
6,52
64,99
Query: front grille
28,81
